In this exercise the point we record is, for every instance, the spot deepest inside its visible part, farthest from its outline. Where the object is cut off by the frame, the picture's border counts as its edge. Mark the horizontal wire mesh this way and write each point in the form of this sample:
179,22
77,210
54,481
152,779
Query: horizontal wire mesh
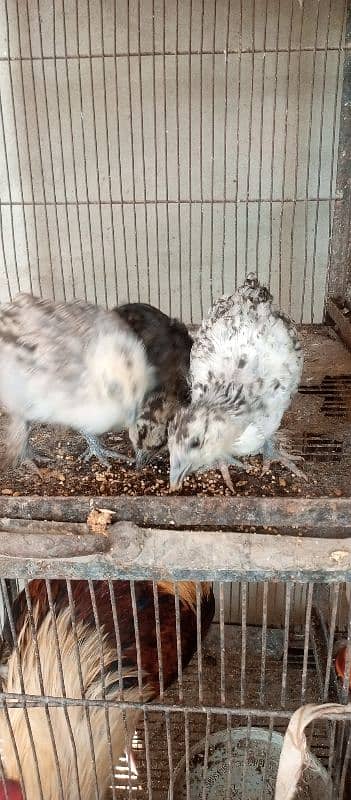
157,152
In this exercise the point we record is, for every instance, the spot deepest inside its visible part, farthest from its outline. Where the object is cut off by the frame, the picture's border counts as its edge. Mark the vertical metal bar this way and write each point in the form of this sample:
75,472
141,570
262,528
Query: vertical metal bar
118,148
201,160
108,150
170,754
297,138
75,180
81,682
205,766
51,158
179,643
62,682
212,146
250,136
8,609
306,640
346,681
103,681
117,637
147,754
187,754
309,163
344,771
136,238
237,157
41,686
156,156
3,249
165,128
283,193
41,161
96,152
137,637
11,213
199,643
26,138
288,588
189,165
273,146
228,788
222,643
180,270
226,56
261,137
332,625
243,641
15,750
141,104
158,639
264,641
244,795
85,170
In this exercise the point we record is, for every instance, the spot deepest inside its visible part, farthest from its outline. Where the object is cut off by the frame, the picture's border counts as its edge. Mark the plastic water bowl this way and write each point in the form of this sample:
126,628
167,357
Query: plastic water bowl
250,777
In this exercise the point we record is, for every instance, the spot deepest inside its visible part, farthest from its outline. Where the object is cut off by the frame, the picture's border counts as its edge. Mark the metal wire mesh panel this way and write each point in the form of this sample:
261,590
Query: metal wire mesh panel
96,699
157,151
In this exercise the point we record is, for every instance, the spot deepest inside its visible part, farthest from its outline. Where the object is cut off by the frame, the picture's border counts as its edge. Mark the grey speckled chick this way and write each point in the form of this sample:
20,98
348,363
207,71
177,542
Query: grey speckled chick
149,435
68,364
246,364
168,344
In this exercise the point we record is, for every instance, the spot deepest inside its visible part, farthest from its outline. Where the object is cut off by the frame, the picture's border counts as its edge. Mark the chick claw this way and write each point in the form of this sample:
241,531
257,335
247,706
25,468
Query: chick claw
272,453
103,454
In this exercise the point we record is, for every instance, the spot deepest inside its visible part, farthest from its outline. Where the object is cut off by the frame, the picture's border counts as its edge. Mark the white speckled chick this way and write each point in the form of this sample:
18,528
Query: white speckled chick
70,364
245,367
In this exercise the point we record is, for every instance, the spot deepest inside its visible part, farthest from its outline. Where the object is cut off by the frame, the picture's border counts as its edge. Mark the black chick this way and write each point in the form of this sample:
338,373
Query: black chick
168,344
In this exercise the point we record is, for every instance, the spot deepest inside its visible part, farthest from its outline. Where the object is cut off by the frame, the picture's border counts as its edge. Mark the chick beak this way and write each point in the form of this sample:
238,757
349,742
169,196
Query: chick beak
141,458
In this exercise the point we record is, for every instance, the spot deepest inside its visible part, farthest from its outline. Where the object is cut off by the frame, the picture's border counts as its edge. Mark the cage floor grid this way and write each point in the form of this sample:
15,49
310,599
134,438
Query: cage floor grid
318,427
162,754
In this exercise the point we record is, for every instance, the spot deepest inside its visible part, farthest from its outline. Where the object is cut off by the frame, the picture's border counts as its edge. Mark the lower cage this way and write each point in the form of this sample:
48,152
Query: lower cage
241,676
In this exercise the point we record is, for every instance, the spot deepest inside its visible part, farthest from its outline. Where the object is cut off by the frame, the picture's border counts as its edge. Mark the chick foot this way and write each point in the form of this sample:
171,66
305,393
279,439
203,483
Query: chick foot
226,477
103,454
271,453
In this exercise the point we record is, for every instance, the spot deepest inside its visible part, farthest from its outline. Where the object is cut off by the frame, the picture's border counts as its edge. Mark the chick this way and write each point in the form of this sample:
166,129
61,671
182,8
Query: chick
246,364
168,344
68,364
149,435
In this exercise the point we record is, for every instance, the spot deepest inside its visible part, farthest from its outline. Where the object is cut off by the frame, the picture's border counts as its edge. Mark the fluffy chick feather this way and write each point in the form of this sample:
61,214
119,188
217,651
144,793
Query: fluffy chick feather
168,344
68,364
246,364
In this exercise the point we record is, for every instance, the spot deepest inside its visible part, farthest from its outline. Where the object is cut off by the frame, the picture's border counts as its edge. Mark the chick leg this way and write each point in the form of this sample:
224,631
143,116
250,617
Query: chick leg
19,451
226,477
102,453
272,452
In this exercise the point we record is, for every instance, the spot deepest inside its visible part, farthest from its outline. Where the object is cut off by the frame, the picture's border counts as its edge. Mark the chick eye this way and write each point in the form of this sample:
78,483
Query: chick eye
195,442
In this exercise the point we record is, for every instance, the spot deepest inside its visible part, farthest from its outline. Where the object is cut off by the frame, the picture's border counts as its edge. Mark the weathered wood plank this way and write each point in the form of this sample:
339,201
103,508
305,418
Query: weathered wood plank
342,323
226,513
131,552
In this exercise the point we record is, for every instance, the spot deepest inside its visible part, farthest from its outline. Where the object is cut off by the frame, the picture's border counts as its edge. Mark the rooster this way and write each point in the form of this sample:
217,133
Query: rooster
70,364
168,344
246,364
102,677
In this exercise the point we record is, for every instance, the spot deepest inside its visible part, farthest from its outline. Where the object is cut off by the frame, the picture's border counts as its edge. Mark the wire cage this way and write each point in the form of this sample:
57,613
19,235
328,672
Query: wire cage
157,152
